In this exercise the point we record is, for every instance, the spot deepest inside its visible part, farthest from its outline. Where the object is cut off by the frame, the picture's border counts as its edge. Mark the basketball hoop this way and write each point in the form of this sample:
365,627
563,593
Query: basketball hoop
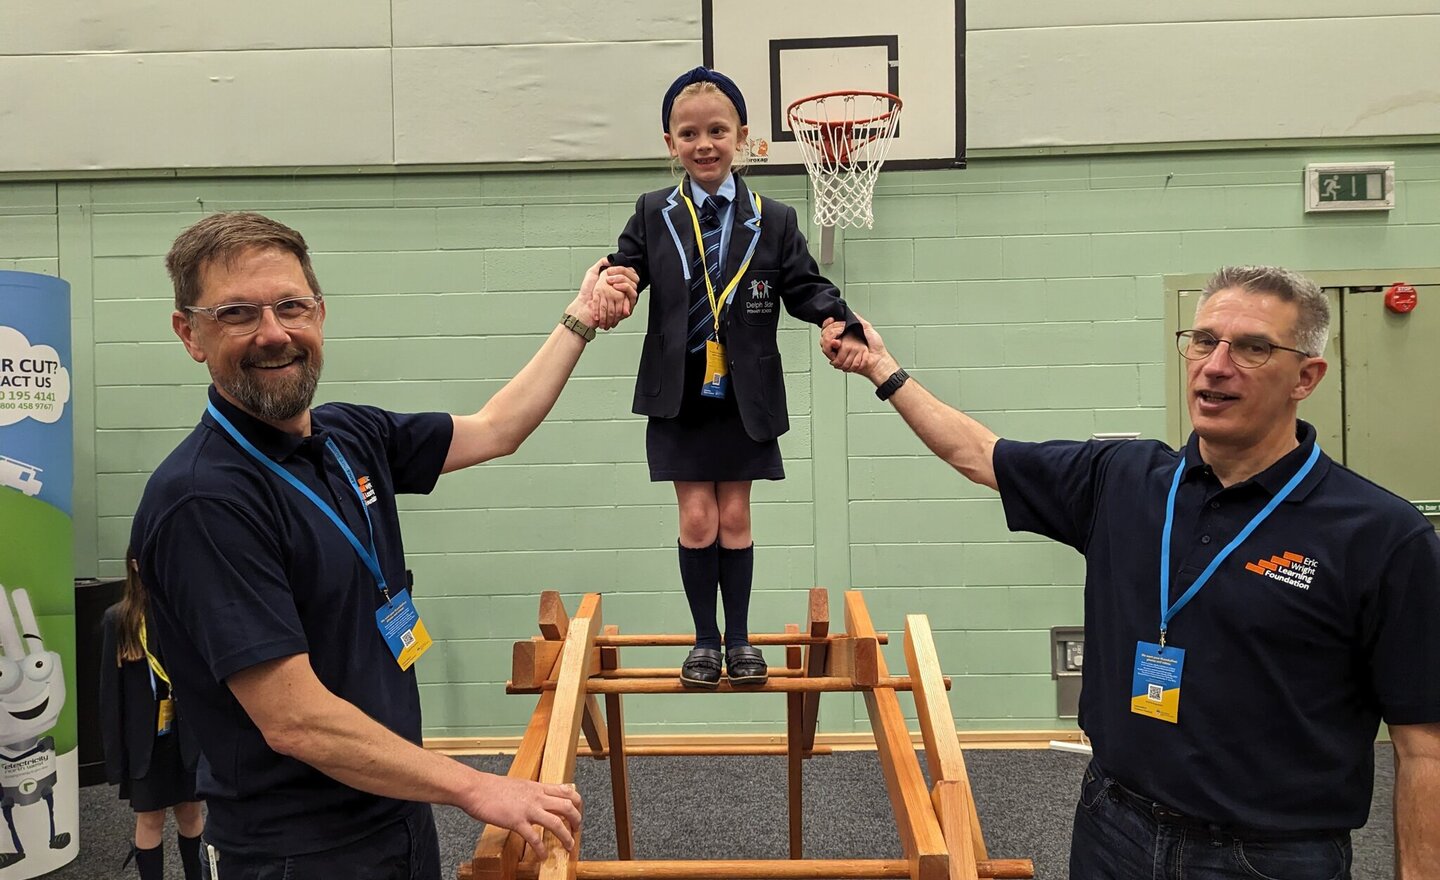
844,138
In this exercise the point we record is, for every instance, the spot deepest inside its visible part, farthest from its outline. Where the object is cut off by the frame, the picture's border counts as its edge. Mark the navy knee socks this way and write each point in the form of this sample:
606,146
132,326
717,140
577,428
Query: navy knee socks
699,573
737,570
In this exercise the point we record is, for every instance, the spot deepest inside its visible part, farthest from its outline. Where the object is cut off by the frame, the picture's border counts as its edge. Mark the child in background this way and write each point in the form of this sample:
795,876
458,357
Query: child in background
148,751
718,259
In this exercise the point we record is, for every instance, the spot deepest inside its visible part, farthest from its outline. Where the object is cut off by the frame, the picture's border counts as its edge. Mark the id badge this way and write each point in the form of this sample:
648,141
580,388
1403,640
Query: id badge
1155,691
165,718
717,378
402,629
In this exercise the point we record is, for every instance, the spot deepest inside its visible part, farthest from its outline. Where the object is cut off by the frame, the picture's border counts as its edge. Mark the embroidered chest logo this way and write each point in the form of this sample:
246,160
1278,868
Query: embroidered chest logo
367,490
1288,568
759,302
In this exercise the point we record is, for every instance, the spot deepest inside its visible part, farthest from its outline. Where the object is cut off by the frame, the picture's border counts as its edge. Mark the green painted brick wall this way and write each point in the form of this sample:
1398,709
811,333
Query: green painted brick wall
1028,291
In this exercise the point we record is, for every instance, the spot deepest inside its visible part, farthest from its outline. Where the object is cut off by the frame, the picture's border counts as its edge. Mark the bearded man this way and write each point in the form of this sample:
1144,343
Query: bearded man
270,542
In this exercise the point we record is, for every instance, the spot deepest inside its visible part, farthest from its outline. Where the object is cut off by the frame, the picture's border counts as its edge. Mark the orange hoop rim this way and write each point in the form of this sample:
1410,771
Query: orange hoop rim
895,105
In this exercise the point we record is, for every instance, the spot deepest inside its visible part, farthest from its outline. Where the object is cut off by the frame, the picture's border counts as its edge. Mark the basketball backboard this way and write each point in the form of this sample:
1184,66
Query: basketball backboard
780,52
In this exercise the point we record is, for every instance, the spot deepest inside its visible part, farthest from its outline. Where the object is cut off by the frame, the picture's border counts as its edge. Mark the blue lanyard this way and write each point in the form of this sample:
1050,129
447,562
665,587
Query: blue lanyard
366,554
1168,611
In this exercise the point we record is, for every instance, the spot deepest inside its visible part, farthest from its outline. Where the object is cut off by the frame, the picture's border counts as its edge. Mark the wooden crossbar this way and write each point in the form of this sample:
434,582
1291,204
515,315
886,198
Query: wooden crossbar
778,684
778,869
684,641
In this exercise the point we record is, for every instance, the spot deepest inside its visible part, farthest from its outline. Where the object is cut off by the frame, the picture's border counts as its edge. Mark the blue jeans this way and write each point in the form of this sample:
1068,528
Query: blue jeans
405,850
1118,839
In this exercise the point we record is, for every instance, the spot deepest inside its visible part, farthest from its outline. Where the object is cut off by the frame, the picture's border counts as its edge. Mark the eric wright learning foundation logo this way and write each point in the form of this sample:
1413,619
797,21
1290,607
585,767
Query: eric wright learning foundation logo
1288,568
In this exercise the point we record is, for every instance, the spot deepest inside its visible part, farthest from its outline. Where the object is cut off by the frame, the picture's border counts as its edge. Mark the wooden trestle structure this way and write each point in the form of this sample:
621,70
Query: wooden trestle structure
574,659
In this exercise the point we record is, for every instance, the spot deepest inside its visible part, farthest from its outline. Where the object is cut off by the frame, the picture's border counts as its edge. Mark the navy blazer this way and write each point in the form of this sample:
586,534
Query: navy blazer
659,244
128,712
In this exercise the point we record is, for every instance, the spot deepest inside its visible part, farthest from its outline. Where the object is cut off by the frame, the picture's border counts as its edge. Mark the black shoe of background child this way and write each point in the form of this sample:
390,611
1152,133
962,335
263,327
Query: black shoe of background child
746,666
701,669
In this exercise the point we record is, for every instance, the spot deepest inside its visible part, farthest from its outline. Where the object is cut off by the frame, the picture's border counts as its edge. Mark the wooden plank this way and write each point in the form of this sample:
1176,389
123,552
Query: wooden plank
532,662
558,764
949,798
659,640
914,813
777,685
817,660
593,724
554,622
795,751
672,751
937,723
777,869
619,770
497,852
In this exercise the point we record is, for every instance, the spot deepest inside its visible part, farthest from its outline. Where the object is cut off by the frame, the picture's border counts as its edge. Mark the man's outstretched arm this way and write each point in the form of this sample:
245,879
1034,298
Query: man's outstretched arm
964,443
517,409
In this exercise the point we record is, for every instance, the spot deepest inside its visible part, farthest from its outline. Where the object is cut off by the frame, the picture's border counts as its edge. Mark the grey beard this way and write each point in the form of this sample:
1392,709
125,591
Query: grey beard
272,403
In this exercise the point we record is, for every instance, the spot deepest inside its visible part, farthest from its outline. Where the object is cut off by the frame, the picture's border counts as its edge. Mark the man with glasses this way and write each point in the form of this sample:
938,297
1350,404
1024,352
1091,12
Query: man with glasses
270,541
1253,609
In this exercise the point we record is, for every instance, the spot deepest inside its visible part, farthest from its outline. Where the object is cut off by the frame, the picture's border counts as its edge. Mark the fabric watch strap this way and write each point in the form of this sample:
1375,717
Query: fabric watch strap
885,389
580,328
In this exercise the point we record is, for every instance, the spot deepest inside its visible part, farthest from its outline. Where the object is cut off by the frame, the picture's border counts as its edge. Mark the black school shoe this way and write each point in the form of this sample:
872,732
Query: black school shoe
745,666
701,669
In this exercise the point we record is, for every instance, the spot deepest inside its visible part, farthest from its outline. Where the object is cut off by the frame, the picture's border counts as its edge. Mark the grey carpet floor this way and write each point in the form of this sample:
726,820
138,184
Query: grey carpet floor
730,808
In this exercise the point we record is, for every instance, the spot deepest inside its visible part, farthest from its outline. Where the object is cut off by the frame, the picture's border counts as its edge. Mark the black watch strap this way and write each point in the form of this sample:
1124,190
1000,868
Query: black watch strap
891,385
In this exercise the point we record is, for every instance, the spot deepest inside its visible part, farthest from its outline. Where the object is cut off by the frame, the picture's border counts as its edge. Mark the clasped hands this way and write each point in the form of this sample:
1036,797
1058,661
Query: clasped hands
852,355
607,296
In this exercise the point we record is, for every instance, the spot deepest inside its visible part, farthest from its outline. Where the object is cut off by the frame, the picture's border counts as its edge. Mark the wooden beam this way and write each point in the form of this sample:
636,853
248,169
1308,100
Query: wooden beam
778,869
914,813
817,661
777,685
558,764
497,852
532,662
554,622
795,750
619,770
691,751
937,723
661,640
949,798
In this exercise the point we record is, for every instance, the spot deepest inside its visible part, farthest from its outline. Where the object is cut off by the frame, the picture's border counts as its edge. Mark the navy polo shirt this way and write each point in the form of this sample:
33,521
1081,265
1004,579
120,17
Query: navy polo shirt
243,568
1321,623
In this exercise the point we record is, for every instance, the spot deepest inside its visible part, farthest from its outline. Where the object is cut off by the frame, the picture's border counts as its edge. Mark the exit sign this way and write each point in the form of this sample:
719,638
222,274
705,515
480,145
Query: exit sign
1350,186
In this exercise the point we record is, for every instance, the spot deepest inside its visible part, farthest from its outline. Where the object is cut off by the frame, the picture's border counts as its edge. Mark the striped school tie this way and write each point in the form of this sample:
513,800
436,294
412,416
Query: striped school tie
702,319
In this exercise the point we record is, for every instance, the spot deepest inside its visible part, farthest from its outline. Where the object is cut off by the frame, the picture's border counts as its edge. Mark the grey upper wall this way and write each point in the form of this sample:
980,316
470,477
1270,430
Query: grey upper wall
146,84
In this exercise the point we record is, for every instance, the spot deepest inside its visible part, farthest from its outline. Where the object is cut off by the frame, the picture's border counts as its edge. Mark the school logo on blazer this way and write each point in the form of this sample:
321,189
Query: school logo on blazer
760,302
367,490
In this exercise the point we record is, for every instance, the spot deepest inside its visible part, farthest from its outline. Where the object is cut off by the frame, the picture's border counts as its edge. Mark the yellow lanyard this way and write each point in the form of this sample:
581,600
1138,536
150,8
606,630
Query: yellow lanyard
152,660
716,305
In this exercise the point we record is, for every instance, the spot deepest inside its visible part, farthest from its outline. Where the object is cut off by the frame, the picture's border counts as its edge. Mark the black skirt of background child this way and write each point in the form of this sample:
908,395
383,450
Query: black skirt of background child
166,784
706,441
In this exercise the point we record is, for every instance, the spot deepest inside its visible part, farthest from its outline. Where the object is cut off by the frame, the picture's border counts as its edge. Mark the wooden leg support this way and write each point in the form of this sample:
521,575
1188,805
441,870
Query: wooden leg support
574,660
619,772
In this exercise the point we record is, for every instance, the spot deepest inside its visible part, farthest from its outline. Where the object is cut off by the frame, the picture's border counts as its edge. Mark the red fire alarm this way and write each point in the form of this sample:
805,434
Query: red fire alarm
1401,298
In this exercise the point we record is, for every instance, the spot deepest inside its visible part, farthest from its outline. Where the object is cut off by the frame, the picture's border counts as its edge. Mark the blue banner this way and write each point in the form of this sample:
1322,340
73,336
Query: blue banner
39,780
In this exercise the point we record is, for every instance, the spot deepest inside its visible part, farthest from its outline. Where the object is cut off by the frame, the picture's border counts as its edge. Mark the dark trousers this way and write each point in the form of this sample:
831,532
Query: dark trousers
1119,836
405,850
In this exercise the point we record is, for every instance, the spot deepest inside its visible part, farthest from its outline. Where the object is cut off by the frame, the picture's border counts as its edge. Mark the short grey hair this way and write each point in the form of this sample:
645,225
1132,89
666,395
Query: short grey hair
1312,328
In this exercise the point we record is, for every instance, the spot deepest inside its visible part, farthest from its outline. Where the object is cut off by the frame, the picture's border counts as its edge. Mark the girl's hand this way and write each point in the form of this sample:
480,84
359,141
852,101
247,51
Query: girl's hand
851,355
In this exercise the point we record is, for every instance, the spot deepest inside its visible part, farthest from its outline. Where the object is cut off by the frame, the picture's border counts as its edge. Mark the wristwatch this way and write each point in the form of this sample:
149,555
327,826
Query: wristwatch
580,328
891,385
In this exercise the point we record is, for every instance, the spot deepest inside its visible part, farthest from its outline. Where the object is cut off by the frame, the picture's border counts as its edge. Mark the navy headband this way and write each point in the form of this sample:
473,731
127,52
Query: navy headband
701,74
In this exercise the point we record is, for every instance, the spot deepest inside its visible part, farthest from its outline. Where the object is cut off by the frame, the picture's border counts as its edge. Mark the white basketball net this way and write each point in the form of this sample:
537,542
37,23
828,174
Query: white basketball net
844,138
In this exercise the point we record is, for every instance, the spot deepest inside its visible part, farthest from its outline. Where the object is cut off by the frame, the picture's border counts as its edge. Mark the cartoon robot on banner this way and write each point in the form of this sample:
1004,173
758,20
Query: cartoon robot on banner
32,690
